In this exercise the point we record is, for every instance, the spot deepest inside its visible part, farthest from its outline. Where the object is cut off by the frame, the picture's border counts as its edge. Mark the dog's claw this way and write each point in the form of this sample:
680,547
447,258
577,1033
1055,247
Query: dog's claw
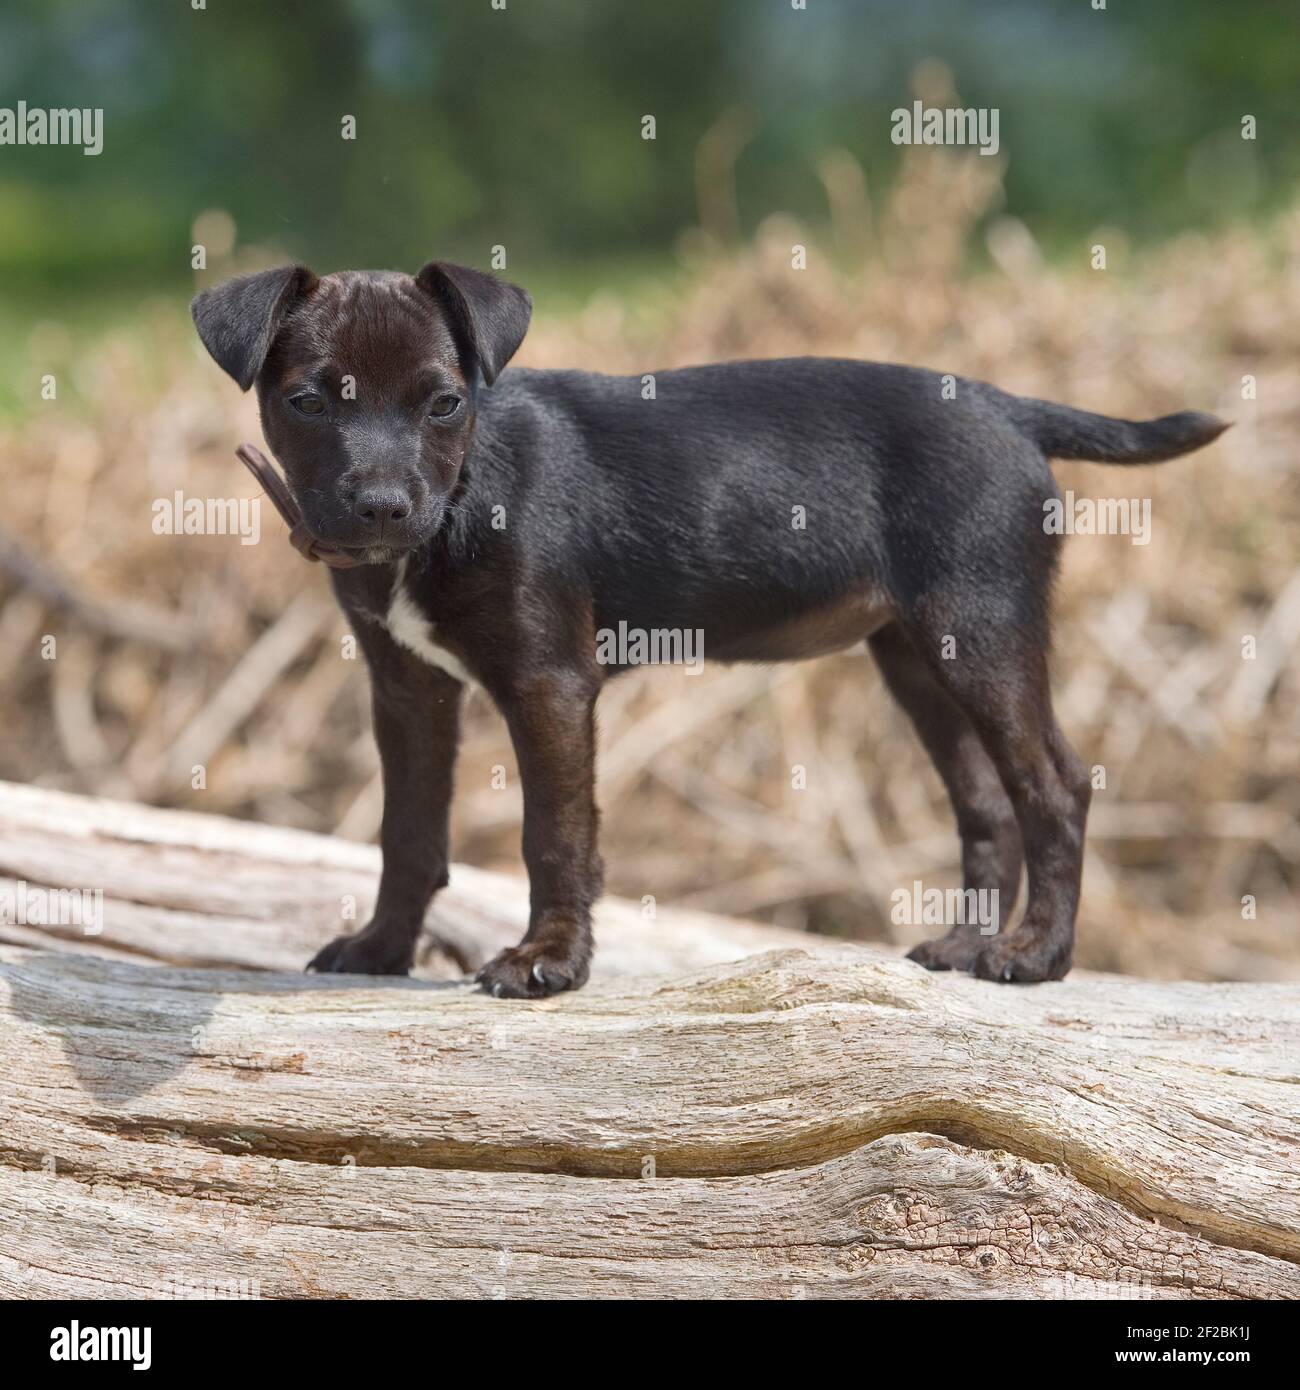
956,951
371,951
1025,957
533,971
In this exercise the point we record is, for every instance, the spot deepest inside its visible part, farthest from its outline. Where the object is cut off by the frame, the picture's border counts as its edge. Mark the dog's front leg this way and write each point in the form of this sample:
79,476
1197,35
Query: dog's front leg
417,725
552,723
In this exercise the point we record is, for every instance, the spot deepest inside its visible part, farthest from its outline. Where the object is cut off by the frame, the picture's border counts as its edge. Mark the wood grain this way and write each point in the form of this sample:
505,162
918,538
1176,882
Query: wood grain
727,1110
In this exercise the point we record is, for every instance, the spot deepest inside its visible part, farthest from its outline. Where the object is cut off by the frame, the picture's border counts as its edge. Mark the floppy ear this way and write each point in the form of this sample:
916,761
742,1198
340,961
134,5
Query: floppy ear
489,316
238,320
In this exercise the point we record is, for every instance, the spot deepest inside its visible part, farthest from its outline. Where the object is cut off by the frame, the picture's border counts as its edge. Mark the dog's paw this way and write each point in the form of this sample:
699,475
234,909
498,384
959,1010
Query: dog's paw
367,952
956,951
1025,956
533,971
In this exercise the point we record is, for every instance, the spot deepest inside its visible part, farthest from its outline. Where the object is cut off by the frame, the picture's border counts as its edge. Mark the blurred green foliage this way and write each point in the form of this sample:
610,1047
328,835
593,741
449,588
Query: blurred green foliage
522,125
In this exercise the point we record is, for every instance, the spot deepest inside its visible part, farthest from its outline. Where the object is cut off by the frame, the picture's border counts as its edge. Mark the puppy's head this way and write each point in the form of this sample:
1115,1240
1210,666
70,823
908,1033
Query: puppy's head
366,382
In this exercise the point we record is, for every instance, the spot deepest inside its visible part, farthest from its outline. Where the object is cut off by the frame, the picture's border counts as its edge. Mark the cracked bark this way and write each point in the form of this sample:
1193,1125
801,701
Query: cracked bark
816,1120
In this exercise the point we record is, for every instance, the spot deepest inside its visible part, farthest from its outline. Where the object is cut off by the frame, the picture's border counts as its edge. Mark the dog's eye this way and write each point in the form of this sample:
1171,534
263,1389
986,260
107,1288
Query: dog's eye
308,404
444,406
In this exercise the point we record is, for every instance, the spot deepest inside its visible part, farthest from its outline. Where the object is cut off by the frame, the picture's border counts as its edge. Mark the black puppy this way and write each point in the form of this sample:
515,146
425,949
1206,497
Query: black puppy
782,509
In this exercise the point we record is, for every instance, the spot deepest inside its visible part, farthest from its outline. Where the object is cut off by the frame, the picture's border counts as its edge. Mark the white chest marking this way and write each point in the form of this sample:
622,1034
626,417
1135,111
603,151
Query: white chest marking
408,626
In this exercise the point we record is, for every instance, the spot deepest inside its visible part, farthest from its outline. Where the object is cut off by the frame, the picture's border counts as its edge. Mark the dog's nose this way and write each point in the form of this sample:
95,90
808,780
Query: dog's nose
376,505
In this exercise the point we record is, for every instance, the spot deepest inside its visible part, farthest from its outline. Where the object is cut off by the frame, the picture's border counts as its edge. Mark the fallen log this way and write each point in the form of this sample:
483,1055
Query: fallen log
727,1110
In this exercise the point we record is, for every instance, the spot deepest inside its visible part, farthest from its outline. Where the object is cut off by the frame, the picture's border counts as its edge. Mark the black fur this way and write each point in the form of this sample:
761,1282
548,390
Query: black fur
783,508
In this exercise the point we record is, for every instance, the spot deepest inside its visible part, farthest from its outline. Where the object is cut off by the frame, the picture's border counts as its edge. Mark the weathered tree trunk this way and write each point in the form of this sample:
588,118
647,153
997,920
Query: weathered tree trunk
815,1120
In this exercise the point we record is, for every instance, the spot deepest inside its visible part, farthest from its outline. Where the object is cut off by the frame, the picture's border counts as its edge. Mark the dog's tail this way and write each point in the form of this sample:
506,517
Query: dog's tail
1064,433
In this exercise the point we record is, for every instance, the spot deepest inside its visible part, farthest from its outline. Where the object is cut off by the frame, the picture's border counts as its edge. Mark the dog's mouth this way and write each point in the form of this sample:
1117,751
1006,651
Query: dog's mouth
379,546
380,549
374,554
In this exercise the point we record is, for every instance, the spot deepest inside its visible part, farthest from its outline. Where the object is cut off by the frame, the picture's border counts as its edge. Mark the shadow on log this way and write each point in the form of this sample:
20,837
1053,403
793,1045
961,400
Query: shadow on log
728,1110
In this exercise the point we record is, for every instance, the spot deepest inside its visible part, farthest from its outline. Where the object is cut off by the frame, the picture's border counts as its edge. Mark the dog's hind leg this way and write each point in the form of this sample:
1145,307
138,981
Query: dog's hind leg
991,659
991,855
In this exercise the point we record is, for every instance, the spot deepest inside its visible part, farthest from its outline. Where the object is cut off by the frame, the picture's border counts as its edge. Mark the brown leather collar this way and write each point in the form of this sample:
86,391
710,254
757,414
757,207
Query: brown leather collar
299,536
